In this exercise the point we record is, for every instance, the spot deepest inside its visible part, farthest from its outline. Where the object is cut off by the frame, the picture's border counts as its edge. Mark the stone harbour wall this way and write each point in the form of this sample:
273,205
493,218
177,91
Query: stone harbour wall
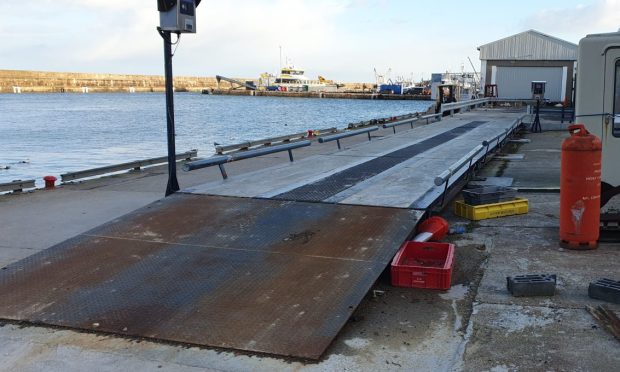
12,81
22,81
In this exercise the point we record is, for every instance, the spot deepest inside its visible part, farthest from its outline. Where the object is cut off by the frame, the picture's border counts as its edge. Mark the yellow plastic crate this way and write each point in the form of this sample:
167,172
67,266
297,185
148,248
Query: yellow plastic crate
494,210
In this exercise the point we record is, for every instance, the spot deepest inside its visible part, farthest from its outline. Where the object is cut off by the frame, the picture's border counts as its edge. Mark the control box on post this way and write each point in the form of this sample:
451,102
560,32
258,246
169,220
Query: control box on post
177,15
538,90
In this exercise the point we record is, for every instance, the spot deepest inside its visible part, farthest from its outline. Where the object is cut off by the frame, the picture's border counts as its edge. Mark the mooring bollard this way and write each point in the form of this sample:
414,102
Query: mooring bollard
50,182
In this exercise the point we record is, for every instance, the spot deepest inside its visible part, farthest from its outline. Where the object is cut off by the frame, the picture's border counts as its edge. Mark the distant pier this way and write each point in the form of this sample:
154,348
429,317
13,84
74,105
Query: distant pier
342,95
22,81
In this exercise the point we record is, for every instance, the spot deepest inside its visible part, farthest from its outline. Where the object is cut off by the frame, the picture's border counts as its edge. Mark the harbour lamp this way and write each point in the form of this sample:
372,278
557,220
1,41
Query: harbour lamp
178,16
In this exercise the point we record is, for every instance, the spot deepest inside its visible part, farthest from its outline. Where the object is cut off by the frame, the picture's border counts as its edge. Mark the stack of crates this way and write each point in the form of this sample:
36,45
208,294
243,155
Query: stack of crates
490,202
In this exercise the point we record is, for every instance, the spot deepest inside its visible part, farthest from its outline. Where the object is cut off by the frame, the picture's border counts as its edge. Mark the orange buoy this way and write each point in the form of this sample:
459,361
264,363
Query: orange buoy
580,189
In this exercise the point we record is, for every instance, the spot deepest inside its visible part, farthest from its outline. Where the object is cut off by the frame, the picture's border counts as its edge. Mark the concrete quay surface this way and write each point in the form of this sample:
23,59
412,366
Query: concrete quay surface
475,326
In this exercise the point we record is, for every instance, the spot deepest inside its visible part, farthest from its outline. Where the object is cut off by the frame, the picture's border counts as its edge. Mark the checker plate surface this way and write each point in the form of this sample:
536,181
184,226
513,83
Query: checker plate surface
269,276
338,182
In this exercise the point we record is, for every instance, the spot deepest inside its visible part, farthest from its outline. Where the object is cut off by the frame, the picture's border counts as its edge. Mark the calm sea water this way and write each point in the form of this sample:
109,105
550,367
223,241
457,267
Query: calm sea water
43,134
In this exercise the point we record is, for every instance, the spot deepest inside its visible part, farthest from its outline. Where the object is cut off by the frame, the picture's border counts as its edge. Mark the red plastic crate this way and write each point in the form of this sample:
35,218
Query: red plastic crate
423,265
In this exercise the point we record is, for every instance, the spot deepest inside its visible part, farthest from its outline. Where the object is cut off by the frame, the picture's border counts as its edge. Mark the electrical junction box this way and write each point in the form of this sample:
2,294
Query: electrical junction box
538,89
177,15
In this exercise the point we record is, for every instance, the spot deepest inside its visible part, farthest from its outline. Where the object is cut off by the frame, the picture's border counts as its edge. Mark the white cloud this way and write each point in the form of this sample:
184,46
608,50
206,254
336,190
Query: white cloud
236,37
125,37
577,21
248,33
113,5
339,39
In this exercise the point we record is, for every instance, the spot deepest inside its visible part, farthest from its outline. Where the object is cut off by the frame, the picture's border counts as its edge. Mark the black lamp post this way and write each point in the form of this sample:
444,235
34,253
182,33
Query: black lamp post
173,183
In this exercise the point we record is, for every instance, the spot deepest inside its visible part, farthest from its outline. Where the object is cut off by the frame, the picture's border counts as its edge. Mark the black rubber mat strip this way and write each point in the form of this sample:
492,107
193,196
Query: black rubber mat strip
338,182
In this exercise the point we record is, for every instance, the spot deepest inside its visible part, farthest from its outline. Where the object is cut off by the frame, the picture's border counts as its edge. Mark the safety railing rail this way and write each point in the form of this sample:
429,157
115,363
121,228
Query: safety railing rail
136,165
502,137
506,134
349,133
247,145
220,160
527,101
565,113
410,121
395,124
220,149
444,177
474,103
431,116
381,121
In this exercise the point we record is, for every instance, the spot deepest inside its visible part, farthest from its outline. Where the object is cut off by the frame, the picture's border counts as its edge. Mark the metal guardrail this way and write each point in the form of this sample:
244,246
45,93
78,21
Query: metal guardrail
527,101
382,121
17,185
444,177
220,160
565,113
395,124
350,133
507,133
220,149
246,145
125,166
412,120
487,143
431,116
474,103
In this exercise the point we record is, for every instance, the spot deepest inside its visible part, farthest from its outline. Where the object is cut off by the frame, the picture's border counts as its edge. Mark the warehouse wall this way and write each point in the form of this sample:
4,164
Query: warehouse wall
499,63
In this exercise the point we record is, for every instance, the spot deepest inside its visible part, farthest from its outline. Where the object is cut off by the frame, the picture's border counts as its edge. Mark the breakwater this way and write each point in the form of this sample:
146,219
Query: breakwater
18,81
23,81
345,94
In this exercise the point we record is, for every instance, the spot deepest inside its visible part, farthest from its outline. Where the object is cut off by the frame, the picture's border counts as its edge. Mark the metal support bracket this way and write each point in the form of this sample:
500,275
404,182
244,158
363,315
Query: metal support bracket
223,171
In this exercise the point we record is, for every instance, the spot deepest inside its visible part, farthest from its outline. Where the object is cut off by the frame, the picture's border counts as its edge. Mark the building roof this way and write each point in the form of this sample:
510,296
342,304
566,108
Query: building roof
529,45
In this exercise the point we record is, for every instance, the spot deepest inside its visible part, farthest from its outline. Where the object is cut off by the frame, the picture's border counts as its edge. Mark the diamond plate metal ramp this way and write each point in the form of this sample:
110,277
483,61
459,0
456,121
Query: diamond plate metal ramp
269,276
327,187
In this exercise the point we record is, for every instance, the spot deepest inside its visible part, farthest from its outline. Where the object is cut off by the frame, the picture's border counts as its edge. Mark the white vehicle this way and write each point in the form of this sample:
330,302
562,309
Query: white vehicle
598,102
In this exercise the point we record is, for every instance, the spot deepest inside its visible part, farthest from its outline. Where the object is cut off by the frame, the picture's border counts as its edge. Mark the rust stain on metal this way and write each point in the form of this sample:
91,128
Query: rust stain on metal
269,276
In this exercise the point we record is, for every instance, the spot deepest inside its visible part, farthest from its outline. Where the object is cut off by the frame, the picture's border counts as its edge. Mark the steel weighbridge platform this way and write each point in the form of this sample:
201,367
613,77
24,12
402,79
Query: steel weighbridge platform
274,266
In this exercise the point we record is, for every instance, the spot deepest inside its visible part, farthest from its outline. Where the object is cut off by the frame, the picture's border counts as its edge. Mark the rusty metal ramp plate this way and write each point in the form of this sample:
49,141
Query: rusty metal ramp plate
269,276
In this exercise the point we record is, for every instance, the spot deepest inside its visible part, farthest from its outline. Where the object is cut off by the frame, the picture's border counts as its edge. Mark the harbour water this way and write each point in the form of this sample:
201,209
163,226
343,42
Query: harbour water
45,134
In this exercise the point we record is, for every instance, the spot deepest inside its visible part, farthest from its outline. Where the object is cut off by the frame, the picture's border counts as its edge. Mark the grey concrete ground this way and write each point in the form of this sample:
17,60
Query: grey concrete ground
538,333
475,326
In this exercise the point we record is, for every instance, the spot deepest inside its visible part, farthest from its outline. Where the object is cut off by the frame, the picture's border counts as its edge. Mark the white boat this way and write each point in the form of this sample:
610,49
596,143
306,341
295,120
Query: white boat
292,79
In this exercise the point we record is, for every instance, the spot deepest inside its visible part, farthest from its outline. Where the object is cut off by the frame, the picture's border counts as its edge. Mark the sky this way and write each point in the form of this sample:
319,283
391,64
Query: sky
344,40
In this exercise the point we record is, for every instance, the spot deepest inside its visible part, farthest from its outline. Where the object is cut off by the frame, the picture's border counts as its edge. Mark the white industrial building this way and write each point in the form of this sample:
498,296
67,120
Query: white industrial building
512,63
